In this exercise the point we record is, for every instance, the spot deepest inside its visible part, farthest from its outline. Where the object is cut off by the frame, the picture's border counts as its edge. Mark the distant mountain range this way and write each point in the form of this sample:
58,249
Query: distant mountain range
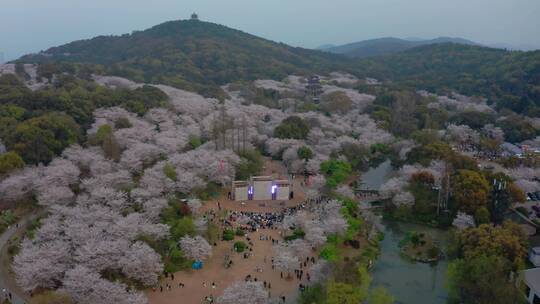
387,46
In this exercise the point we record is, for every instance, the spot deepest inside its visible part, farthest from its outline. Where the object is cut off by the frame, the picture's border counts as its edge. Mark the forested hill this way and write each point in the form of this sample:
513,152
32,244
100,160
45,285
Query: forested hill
192,55
510,79
201,56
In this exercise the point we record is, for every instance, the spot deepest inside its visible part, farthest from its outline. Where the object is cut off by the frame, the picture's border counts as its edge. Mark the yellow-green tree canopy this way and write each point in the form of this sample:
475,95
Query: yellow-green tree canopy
336,102
469,190
508,241
10,161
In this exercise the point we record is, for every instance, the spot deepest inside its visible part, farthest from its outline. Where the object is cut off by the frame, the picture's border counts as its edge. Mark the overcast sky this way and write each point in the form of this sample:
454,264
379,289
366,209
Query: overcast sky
32,25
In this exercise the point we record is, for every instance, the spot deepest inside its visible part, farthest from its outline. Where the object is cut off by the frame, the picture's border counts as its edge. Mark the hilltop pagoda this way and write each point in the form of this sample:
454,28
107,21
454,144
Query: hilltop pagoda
194,17
314,88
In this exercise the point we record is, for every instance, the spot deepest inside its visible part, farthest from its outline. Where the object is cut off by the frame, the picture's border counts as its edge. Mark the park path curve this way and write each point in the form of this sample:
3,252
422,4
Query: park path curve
4,239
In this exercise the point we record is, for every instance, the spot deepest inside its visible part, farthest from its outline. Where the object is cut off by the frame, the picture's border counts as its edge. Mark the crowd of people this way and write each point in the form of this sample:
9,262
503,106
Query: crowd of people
258,227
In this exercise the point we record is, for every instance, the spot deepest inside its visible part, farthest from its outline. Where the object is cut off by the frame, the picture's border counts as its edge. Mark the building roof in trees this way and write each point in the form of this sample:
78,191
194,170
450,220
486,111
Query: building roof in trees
532,279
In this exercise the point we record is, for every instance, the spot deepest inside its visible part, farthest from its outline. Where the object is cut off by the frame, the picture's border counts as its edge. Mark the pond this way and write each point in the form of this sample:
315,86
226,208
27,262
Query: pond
375,177
409,282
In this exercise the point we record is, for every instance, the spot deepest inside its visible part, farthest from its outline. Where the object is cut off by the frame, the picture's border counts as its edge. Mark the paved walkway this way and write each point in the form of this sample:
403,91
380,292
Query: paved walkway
4,238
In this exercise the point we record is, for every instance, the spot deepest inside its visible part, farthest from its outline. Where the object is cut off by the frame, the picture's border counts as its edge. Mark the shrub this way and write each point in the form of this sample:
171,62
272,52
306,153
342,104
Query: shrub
240,246
313,295
482,215
292,127
52,297
330,252
240,232
433,252
194,142
170,171
7,218
251,163
304,153
297,234
211,190
122,123
336,172
228,235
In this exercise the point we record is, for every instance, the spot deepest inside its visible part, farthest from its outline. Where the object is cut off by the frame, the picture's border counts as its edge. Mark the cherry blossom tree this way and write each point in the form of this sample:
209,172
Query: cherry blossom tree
189,103
244,293
523,173
527,185
41,265
313,165
120,179
211,165
130,137
315,234
106,196
463,221
100,254
335,225
196,248
393,186
301,248
462,134
403,198
346,191
320,271
60,172
20,184
201,225
493,132
285,259
194,205
289,156
138,155
276,146
166,119
152,207
295,220
142,263
155,183
55,195
329,214
403,147
90,160
87,287
315,184
186,182
172,140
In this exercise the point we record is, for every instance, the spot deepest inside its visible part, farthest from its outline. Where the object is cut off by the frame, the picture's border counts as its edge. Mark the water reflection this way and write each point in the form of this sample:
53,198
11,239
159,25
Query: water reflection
375,177
410,282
